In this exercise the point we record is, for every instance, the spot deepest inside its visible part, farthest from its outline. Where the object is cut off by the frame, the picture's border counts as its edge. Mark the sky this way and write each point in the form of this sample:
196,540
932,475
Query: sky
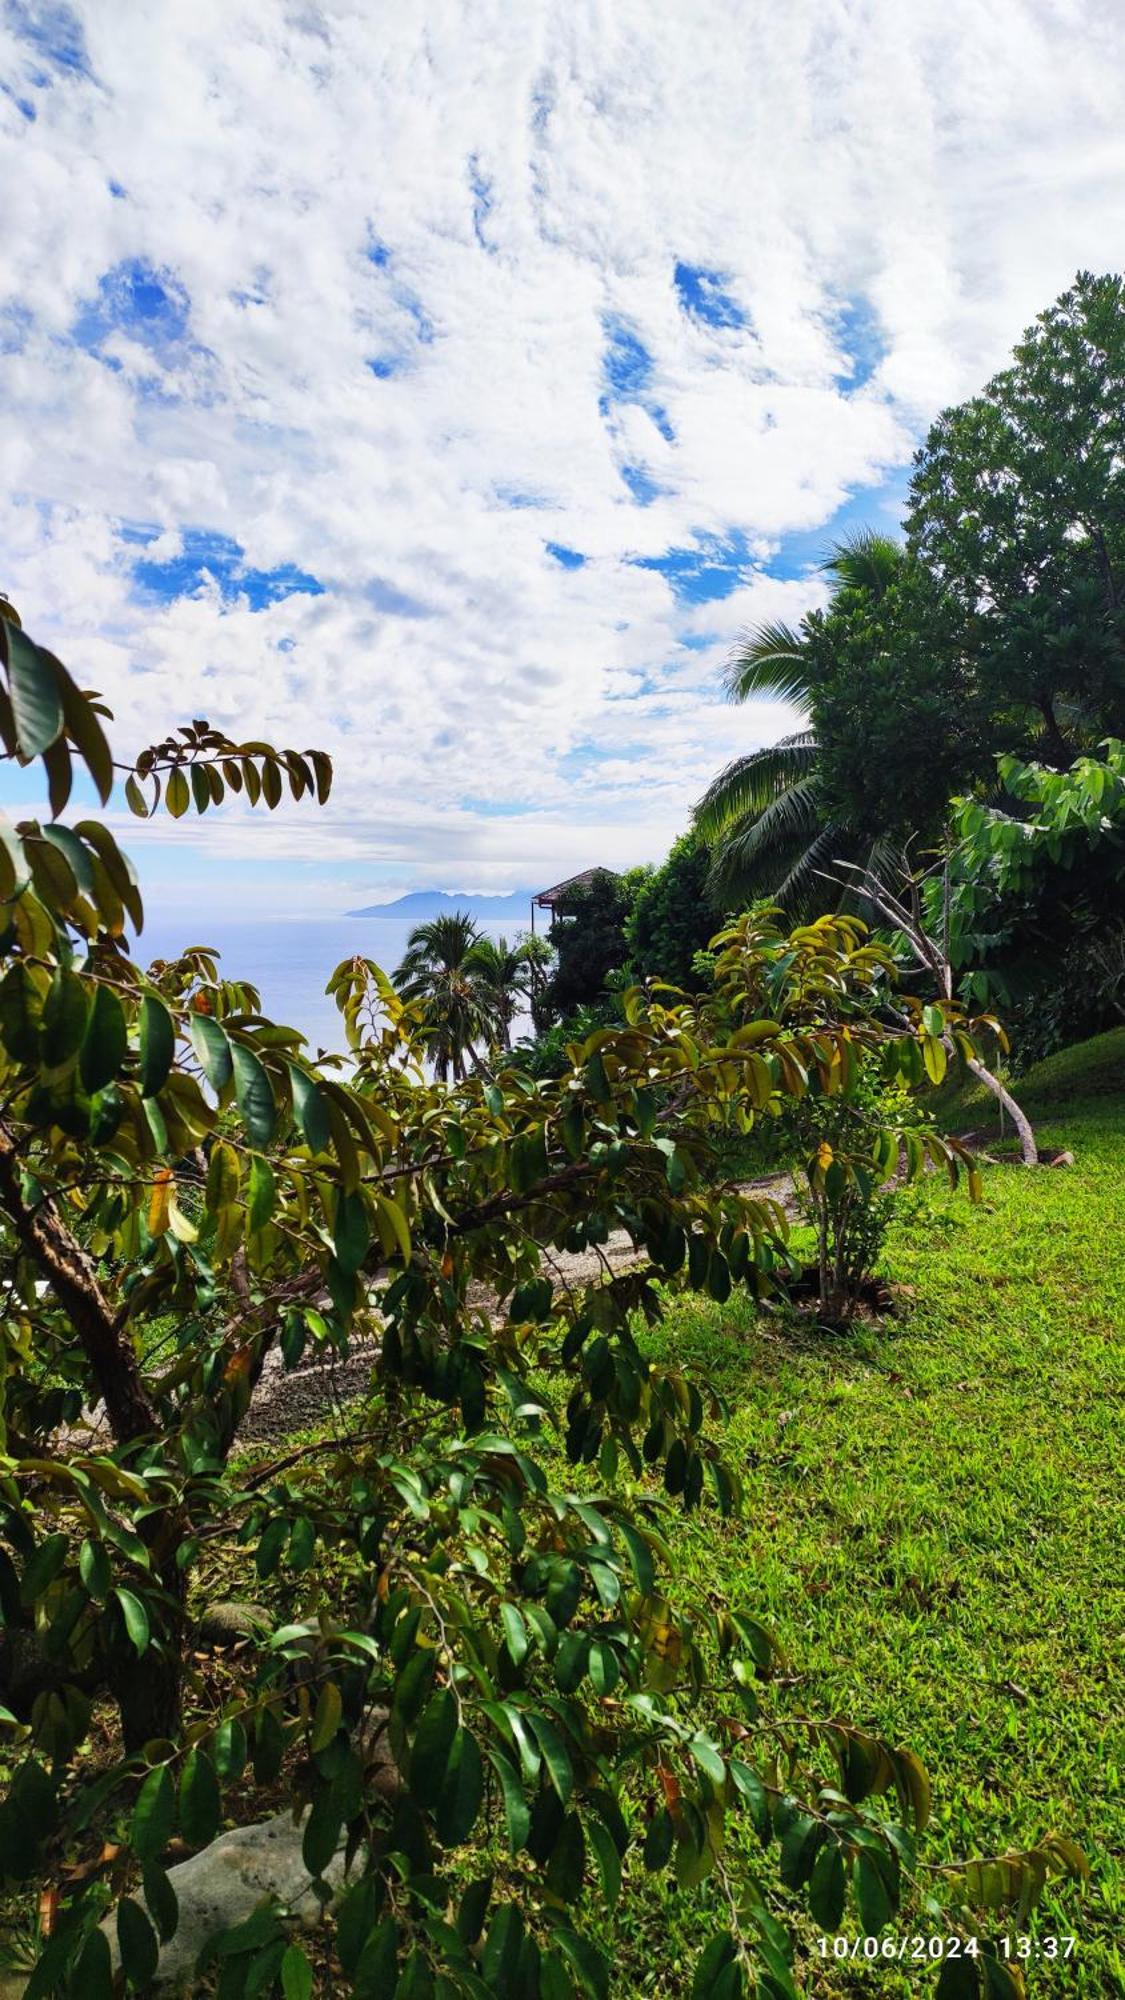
448,386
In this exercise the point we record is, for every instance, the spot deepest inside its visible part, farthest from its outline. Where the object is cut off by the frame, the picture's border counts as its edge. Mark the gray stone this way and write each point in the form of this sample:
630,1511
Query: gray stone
226,1623
224,1883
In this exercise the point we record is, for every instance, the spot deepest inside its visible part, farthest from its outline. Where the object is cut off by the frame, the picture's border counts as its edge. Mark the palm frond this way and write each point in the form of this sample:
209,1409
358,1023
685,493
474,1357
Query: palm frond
769,660
865,561
802,889
758,851
750,784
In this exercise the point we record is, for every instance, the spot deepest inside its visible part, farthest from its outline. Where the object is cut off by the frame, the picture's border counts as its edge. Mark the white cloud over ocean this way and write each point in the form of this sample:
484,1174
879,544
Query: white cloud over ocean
332,337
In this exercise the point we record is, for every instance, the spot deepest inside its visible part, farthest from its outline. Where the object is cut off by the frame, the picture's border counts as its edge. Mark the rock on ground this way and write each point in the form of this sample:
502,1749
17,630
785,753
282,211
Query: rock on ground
224,1883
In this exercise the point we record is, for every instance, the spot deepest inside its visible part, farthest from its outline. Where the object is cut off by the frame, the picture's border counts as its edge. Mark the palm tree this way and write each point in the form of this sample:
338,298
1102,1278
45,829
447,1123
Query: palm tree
439,971
764,816
503,975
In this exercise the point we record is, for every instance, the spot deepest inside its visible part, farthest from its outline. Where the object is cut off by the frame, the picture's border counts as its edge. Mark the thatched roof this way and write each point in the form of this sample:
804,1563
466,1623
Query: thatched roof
549,897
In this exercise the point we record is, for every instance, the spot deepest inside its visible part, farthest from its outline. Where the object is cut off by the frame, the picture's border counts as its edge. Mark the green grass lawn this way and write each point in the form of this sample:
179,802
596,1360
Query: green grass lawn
936,1524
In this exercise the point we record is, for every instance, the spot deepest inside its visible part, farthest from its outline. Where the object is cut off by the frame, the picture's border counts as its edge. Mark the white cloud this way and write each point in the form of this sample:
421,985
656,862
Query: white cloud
527,173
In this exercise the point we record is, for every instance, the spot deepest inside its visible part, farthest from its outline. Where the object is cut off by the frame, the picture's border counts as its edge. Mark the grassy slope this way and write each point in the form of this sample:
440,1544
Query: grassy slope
937,1522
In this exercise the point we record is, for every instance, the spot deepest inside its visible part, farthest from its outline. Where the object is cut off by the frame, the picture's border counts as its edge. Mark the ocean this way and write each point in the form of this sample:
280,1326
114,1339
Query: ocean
290,960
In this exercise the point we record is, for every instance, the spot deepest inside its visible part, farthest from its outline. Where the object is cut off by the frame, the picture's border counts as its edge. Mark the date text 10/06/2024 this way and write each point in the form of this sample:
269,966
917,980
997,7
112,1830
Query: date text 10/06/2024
923,1950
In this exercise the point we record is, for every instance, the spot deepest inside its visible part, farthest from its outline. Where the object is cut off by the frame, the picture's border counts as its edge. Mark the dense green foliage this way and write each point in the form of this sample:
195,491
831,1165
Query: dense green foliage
588,936
184,1193
673,917
991,642
1017,508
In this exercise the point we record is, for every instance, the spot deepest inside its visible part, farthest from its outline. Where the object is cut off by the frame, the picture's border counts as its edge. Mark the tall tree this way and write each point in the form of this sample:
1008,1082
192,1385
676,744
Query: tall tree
439,972
504,976
588,935
674,916
1018,510
889,731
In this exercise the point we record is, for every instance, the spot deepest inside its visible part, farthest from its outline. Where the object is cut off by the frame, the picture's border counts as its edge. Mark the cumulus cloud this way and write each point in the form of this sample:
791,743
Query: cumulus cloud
324,329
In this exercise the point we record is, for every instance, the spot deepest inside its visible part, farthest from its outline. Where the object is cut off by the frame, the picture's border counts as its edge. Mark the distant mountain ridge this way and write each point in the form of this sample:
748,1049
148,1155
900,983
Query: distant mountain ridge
422,904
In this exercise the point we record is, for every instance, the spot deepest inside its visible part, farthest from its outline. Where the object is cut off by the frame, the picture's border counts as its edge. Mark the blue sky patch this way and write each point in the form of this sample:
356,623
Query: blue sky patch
136,299
860,335
879,508
643,487
569,558
383,366
218,556
626,363
53,30
704,295
627,370
377,252
700,575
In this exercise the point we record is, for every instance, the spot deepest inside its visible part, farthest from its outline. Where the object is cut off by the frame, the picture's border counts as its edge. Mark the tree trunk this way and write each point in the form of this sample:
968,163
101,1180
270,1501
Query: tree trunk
148,1687
1028,1149
64,1264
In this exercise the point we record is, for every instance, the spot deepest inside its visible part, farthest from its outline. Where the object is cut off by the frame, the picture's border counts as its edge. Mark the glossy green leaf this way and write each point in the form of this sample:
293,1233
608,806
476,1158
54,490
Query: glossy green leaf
212,1049
37,705
158,1044
255,1098
105,1043
154,1815
138,1944
135,1616
200,1803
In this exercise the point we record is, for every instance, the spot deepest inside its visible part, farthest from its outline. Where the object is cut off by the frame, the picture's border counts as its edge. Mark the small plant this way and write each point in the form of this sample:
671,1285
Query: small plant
852,1148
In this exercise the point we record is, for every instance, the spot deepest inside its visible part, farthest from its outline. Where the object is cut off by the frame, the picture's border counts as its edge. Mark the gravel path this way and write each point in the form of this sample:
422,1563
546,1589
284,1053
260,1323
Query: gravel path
287,1402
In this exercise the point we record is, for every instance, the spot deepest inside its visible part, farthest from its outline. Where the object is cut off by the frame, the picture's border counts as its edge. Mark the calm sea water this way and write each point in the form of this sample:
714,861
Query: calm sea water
290,960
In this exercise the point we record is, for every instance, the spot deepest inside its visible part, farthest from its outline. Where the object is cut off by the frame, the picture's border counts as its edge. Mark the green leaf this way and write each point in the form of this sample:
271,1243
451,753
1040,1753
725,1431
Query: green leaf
135,1616
140,1948
105,1043
63,1019
36,697
153,1815
322,1831
163,1904
607,1858
567,1864
255,1098
959,1979
177,796
85,730
310,1110
212,1050
462,1792
515,1634
326,1721
92,1977
517,1812
554,1754
351,1231
876,1906
43,1567
433,1740
229,1748
93,1568
158,1044
719,1953
474,1909
296,1974
828,1887
200,1804
262,1194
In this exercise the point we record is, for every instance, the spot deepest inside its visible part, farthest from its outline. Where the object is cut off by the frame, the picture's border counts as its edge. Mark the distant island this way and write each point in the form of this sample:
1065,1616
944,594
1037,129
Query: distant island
421,904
